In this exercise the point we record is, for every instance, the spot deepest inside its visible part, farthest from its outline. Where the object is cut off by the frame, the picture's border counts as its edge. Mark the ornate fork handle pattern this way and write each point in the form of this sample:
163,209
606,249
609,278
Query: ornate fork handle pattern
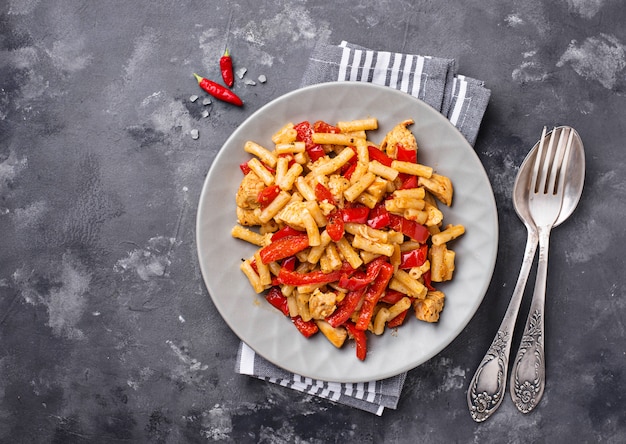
528,376
487,388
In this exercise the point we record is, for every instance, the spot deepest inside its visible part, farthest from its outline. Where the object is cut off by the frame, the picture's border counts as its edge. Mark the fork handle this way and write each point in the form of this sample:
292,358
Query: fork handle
528,375
486,390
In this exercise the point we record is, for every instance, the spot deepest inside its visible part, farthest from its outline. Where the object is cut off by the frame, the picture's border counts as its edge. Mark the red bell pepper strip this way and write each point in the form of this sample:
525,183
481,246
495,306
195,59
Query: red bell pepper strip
406,155
286,231
313,277
323,127
226,67
409,228
323,194
373,293
408,181
398,320
307,328
427,281
346,307
284,247
376,154
335,226
277,300
245,169
391,296
304,131
378,217
361,280
289,263
267,195
359,338
350,166
414,258
218,91
356,214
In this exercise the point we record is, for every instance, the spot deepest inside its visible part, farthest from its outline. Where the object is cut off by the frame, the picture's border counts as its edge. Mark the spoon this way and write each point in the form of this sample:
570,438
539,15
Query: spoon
486,390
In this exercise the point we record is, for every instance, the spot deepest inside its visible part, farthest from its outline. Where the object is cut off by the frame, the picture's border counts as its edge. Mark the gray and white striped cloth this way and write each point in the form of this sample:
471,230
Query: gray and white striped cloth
431,79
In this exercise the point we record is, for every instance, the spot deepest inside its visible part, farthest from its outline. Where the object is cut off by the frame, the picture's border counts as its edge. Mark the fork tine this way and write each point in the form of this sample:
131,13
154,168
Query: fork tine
565,162
538,156
555,167
546,164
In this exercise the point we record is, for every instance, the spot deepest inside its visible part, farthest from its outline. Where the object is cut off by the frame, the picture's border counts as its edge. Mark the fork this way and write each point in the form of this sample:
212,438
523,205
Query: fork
545,201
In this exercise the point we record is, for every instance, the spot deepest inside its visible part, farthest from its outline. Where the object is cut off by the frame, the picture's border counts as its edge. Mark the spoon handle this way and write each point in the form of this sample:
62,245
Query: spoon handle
486,390
528,375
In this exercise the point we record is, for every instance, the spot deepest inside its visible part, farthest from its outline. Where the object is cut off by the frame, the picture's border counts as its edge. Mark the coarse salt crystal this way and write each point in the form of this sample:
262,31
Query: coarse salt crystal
206,101
262,78
195,134
241,72
249,82
193,98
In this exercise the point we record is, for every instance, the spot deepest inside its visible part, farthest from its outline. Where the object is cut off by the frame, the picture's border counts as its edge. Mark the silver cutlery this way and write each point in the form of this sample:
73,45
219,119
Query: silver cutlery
486,389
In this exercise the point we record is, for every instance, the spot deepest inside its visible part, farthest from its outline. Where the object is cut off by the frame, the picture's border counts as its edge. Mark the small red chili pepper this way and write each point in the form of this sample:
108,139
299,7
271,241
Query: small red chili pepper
226,66
218,91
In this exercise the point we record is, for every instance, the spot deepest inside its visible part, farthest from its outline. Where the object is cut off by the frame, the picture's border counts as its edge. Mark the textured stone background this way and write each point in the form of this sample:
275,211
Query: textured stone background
107,333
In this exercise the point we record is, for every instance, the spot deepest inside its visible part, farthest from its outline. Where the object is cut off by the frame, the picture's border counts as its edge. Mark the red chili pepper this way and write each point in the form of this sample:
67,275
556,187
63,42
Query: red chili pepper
285,247
359,338
267,195
218,91
277,300
346,307
307,328
356,214
376,154
398,320
414,258
406,155
373,293
378,217
335,227
226,66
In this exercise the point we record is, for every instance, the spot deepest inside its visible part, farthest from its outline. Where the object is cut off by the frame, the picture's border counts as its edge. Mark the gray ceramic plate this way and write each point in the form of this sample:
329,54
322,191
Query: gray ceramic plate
271,334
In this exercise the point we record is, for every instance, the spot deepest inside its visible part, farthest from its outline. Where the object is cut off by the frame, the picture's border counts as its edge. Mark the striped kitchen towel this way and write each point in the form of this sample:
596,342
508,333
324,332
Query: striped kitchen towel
371,396
434,80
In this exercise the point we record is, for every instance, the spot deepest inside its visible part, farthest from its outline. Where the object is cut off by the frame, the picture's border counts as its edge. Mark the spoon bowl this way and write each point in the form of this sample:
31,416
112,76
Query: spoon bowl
573,183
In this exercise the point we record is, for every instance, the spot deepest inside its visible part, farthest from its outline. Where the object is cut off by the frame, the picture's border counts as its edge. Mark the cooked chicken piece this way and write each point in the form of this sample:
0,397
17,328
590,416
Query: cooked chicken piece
337,185
439,186
322,304
249,188
428,309
435,216
249,217
399,135
292,213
